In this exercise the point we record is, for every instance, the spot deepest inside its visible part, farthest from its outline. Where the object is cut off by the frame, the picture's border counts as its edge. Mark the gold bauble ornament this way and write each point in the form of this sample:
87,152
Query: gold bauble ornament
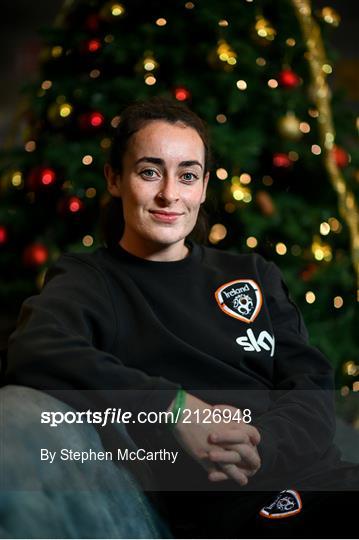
321,250
58,113
112,11
288,127
329,16
222,57
264,29
263,32
226,53
147,64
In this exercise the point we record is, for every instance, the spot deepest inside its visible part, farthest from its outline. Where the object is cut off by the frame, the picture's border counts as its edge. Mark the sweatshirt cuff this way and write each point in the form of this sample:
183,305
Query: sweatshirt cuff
159,398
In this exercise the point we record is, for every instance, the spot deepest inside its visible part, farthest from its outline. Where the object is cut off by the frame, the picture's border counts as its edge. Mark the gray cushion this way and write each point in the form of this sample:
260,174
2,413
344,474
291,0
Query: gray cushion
66,499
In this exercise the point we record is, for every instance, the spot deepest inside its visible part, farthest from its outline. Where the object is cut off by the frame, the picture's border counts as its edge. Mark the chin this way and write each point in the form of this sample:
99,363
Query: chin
167,234
167,239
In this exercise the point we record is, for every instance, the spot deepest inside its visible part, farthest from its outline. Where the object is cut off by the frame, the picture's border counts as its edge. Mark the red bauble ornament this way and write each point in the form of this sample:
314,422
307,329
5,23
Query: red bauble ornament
74,204
181,93
40,177
341,157
91,120
47,176
70,205
35,255
3,235
281,160
96,119
93,45
287,78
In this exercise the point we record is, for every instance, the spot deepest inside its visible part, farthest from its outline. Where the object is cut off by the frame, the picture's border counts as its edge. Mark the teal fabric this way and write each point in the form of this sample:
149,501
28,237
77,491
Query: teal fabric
63,499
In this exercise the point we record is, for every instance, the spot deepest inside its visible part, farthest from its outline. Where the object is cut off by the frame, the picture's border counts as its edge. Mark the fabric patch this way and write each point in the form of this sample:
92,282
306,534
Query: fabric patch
287,503
241,299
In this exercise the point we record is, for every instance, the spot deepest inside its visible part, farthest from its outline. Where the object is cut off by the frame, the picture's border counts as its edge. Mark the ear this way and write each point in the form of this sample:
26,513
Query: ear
205,184
112,180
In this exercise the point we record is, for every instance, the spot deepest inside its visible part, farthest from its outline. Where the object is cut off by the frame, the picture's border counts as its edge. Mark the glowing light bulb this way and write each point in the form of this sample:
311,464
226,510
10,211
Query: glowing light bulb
241,85
87,160
117,10
65,110
310,297
222,174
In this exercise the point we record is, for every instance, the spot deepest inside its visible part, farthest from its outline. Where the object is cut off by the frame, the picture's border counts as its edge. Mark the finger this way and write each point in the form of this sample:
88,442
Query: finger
252,433
214,473
217,476
249,456
212,468
233,436
224,456
247,472
244,454
237,434
235,473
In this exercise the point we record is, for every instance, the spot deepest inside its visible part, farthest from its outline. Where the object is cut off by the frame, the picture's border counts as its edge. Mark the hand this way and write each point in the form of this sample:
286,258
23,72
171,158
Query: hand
238,454
239,461
195,439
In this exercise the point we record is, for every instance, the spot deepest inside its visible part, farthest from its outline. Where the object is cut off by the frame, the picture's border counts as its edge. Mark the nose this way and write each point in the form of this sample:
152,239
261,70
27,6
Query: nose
168,191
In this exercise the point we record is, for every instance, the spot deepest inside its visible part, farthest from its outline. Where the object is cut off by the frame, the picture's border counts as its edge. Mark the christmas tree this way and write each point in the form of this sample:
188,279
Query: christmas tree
284,181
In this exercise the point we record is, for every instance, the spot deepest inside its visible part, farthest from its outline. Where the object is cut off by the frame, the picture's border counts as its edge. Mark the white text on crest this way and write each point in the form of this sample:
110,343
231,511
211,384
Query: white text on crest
250,343
233,292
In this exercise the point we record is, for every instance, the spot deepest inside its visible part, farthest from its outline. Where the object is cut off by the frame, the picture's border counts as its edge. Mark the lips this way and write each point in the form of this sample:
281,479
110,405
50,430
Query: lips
165,217
165,213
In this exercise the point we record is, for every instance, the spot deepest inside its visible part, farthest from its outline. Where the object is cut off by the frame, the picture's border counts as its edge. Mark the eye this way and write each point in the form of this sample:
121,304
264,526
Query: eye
189,177
146,172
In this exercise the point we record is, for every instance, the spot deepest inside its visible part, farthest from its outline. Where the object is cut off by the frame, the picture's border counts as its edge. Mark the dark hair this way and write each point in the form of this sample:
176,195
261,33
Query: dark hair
132,119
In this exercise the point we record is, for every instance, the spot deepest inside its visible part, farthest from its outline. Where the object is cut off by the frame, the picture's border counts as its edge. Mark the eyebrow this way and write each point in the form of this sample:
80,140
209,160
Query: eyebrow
159,161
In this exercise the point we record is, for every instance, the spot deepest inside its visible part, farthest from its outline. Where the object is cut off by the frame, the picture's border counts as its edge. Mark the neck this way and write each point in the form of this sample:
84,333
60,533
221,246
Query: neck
156,252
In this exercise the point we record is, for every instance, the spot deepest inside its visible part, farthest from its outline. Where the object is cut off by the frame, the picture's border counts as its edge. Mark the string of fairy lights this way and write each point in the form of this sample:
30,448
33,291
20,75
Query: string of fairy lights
239,185
319,69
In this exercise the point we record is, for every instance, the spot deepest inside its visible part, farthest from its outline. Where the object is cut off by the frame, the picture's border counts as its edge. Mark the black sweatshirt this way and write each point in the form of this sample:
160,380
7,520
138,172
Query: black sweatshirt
221,325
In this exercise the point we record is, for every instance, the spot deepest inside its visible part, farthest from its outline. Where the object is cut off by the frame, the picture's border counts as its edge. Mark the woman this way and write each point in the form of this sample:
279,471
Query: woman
157,322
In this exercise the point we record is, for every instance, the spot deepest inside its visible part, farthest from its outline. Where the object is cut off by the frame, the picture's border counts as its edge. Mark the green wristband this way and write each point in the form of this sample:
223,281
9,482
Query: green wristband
177,408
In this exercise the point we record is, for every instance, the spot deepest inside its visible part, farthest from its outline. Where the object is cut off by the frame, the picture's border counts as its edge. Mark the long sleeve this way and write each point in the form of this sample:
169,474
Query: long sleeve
299,428
64,339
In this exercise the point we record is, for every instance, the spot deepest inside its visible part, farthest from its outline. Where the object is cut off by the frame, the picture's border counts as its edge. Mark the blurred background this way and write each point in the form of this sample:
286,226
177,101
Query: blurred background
20,44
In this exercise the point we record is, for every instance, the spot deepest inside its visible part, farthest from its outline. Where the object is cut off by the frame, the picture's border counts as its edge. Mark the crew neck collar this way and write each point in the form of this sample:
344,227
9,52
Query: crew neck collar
192,256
